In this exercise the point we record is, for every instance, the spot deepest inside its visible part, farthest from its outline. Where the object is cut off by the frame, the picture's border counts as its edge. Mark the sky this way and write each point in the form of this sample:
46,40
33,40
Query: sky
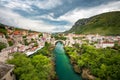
51,15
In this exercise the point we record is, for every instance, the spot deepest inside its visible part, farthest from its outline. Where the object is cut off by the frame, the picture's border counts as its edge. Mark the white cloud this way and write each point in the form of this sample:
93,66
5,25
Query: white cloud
7,16
42,4
15,19
17,4
47,16
67,27
76,14
61,28
48,4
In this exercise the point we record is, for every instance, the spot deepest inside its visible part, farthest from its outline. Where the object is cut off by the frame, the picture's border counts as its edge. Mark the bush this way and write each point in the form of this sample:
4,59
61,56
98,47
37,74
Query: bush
10,43
2,46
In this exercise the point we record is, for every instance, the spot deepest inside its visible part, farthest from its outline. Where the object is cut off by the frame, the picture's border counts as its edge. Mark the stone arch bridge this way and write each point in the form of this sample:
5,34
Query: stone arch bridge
62,41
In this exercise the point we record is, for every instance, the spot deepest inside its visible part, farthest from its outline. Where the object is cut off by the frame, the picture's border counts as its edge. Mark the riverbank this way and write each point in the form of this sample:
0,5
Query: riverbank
85,73
73,56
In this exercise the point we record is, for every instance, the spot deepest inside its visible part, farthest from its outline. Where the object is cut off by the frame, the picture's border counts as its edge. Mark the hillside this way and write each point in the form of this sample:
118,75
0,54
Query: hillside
4,29
104,24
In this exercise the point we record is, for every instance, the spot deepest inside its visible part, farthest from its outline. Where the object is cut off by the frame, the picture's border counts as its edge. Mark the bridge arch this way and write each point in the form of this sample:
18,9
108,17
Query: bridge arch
61,41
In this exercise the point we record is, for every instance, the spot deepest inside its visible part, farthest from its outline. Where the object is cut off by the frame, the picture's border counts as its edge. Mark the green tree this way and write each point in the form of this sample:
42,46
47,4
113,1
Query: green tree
10,43
24,70
2,46
43,66
40,35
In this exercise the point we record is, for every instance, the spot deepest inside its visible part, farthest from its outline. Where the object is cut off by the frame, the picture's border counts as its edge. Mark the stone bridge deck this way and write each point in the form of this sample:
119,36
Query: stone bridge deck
65,42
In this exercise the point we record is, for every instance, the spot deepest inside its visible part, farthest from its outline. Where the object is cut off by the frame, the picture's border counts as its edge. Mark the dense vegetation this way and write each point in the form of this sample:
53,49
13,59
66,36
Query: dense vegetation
35,67
2,29
2,46
10,43
104,64
103,24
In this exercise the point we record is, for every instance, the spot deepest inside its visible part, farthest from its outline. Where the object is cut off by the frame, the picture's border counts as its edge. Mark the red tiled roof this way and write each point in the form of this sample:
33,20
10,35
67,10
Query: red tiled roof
1,34
17,33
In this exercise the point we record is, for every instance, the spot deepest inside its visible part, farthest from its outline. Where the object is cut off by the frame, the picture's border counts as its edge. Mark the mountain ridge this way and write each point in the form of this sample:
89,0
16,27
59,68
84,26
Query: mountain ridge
103,24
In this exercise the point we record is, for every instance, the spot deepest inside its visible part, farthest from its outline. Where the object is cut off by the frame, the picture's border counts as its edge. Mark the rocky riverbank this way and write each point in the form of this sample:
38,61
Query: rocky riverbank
86,74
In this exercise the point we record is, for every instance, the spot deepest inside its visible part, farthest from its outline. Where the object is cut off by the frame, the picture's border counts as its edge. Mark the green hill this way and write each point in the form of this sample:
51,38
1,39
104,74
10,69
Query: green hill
104,24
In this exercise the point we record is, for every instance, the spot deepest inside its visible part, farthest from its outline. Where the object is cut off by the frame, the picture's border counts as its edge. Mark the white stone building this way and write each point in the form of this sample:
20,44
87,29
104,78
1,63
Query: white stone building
104,45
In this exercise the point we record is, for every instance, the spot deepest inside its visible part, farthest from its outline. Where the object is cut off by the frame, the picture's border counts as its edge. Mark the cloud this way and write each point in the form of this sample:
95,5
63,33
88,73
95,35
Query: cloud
46,22
11,18
26,4
22,5
48,4
77,13
17,20
61,29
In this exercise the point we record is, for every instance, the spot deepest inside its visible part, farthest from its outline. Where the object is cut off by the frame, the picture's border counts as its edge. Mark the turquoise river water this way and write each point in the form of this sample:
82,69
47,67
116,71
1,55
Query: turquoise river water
64,69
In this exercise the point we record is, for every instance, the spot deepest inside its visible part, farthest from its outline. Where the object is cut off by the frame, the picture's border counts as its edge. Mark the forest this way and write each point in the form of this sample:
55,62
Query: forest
39,66
104,64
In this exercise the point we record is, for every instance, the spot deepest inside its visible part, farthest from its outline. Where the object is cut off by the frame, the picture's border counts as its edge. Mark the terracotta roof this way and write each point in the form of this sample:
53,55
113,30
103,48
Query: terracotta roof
17,33
34,48
1,34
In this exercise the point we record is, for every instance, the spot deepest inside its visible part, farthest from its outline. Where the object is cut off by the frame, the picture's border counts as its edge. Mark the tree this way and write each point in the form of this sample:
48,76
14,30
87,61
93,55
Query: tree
24,70
10,43
40,35
2,46
43,66
36,67
102,63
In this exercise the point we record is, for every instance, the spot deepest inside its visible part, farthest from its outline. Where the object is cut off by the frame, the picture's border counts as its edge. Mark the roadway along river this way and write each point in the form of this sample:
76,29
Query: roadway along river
64,69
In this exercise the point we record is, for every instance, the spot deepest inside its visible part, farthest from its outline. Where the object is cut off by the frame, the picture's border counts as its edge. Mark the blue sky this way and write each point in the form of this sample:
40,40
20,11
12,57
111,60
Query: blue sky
51,15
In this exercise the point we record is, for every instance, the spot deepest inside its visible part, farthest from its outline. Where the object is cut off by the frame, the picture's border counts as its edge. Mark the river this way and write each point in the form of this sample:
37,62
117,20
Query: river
64,69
